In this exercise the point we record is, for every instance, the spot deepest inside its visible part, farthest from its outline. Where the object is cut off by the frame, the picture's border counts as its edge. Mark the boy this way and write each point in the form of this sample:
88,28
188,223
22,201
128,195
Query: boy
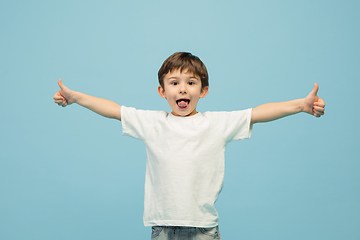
185,148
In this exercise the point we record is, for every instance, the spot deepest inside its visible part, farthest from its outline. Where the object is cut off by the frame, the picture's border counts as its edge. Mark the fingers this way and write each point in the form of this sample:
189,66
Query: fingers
60,100
318,114
62,103
319,108
320,103
57,96
318,111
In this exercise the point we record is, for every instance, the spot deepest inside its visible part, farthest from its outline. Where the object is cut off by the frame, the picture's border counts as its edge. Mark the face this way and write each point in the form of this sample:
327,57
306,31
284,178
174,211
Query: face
182,91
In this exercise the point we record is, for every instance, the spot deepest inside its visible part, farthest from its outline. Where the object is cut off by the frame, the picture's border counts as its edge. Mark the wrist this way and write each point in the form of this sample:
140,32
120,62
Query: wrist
302,104
75,96
296,106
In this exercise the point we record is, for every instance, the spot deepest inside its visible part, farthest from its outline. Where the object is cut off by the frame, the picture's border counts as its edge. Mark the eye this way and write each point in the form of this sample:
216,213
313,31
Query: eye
174,83
191,83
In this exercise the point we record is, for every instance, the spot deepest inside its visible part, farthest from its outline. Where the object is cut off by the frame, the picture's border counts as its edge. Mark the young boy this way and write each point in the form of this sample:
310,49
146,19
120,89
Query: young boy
185,148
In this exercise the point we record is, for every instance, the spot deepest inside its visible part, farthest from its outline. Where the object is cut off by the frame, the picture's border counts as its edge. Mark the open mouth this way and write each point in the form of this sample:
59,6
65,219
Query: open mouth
183,102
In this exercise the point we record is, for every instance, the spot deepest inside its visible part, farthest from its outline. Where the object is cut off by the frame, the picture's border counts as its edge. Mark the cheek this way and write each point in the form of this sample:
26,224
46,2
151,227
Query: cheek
172,94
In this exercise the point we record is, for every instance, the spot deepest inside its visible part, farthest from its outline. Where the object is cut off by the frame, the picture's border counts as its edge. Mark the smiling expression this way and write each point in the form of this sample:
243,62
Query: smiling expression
182,90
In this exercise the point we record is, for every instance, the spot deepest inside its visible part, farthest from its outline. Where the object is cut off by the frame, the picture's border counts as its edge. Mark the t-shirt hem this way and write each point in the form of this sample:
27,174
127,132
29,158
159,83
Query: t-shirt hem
180,223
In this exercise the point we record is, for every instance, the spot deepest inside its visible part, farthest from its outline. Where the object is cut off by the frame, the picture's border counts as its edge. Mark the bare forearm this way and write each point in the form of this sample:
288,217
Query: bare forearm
272,111
100,106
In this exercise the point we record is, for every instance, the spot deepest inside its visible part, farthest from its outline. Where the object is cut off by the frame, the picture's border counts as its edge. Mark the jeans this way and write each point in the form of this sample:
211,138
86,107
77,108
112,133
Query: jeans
184,233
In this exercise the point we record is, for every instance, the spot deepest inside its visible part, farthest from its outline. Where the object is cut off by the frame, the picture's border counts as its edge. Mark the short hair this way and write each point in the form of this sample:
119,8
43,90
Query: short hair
184,61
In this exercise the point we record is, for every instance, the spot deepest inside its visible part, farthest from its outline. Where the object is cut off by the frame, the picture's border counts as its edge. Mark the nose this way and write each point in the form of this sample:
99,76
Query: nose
182,88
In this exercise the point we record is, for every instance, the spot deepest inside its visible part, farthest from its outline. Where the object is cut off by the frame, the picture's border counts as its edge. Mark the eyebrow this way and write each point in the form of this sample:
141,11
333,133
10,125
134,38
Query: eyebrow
194,77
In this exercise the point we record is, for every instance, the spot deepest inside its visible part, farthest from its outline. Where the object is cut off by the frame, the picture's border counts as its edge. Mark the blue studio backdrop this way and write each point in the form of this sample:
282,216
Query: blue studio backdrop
67,173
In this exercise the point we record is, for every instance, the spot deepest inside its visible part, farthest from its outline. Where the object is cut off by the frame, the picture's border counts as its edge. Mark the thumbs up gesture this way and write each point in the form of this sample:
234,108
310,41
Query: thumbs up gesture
64,96
313,104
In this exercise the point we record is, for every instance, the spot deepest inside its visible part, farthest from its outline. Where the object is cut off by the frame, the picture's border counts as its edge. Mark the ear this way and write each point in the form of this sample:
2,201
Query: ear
161,91
204,91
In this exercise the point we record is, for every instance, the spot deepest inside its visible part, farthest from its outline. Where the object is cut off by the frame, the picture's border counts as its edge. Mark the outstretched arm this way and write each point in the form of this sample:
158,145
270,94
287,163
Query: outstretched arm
312,104
101,106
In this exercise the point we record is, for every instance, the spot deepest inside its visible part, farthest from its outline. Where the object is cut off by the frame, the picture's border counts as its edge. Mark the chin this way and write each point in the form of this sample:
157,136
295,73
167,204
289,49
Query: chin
186,114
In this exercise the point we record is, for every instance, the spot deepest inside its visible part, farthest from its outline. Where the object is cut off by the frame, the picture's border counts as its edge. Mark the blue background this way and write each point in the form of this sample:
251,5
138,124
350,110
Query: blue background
66,173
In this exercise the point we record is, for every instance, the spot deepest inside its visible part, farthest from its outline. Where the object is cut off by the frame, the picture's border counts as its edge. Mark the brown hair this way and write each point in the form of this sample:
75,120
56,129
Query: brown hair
184,61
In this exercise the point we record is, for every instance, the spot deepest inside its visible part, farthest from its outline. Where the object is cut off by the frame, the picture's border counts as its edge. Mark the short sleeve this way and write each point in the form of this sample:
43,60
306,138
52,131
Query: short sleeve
136,123
238,125
233,125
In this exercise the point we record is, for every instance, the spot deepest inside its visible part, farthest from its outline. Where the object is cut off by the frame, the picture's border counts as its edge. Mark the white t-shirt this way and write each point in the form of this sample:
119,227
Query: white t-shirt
185,162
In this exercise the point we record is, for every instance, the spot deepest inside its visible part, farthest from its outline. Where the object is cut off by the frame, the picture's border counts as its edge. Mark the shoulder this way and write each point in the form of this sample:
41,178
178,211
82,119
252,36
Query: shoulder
228,114
133,112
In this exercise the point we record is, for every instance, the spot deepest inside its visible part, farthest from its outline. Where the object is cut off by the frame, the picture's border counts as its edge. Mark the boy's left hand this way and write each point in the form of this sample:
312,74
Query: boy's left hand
313,104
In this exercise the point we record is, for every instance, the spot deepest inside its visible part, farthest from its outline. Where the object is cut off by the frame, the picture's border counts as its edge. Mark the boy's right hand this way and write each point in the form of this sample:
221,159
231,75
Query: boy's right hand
64,96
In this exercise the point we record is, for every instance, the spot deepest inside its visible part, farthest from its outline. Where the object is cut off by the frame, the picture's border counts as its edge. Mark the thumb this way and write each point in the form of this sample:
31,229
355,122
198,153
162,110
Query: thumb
315,89
61,85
